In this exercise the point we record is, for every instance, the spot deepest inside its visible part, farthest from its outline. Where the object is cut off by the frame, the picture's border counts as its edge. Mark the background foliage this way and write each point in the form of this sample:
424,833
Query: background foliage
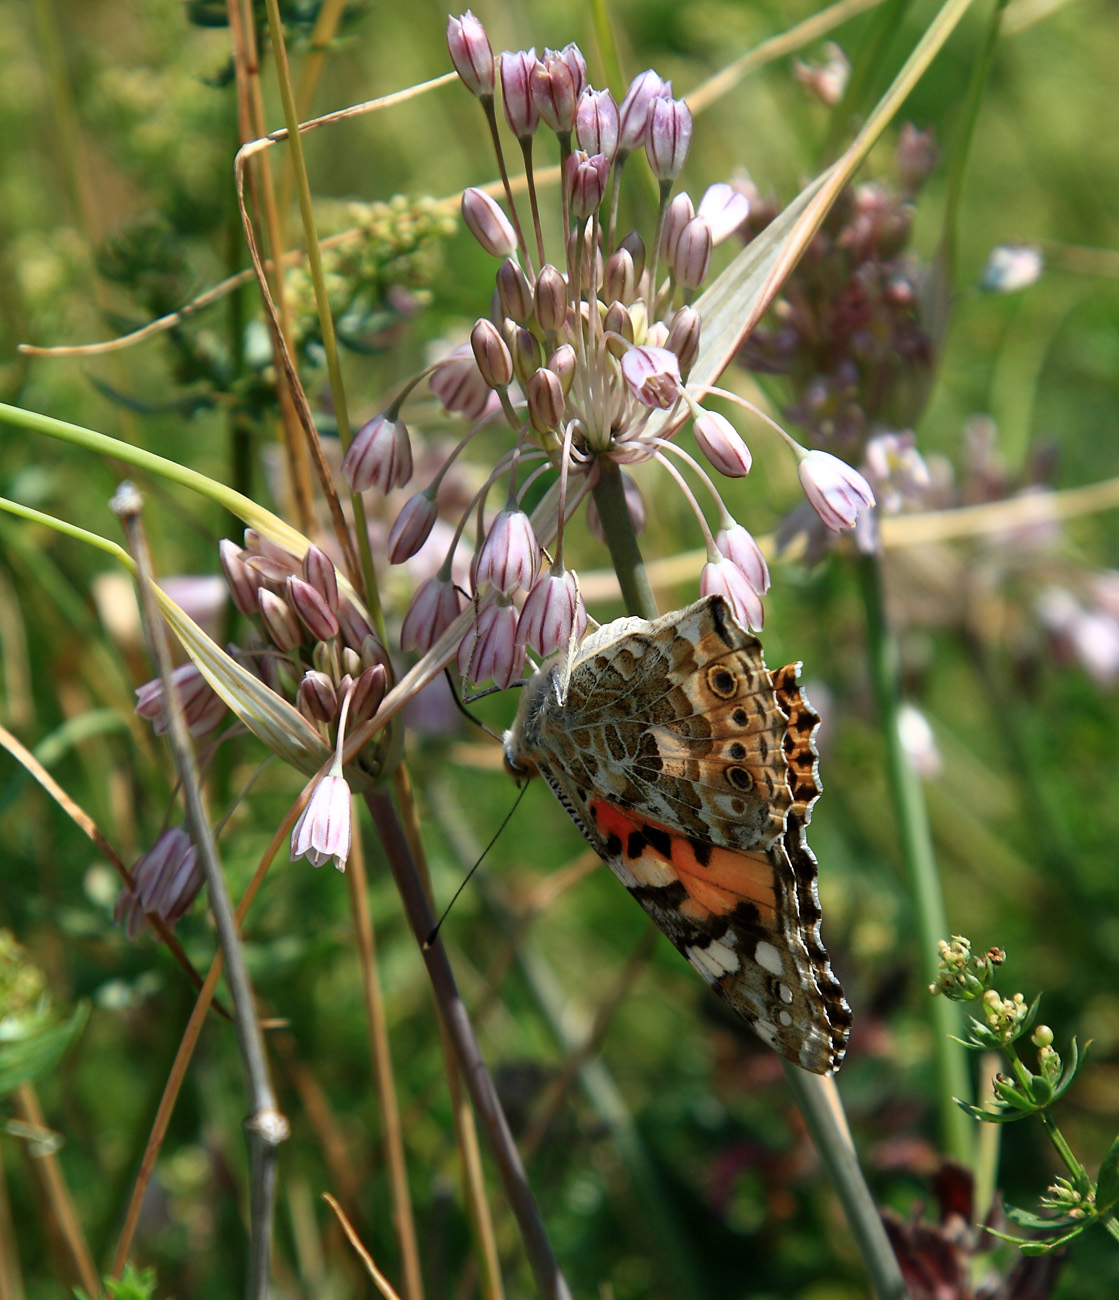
682,1168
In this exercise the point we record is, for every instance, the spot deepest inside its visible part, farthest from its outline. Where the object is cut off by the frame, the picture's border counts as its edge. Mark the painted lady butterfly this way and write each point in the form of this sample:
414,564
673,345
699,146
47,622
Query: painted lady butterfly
690,769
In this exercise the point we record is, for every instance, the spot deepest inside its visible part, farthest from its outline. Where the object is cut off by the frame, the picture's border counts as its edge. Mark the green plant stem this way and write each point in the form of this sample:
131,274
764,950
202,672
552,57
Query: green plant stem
915,843
818,1098
621,541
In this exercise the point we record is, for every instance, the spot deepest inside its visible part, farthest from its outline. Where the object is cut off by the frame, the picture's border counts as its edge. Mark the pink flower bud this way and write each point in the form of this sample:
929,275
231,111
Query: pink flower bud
586,182
668,137
683,337
555,90
552,608
412,527
619,322
739,547
459,385
546,401
279,620
724,209
551,298
313,611
633,115
516,92
491,355
693,254
597,123
352,624
380,456
635,506
202,707
434,607
322,833
525,349
720,442
514,291
488,224
917,157
316,698
618,278
676,216
319,571
471,54
724,578
369,691
242,580
510,556
167,880
634,245
490,649
653,376
562,363
834,490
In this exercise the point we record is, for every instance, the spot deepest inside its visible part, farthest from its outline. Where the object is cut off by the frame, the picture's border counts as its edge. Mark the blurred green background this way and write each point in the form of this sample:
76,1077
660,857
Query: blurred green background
682,1168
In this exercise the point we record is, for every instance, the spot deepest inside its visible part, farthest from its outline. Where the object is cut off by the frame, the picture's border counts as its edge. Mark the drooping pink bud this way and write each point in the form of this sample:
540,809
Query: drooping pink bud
435,606
510,556
488,224
736,543
202,707
668,137
412,526
459,385
490,649
633,116
724,578
683,337
368,692
471,54
167,880
553,607
380,456
562,363
653,376
721,443
516,92
834,490
322,833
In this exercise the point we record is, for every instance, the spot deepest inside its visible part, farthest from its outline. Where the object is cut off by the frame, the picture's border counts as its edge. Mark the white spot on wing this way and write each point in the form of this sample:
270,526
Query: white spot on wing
785,1018
785,993
713,961
767,956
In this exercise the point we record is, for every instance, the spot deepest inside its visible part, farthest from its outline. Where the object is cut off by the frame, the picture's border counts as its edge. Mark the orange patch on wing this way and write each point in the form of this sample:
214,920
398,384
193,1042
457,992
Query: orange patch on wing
729,878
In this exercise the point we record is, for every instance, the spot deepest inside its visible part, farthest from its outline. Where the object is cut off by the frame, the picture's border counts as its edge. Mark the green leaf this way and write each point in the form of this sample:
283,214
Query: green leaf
1107,1185
29,1053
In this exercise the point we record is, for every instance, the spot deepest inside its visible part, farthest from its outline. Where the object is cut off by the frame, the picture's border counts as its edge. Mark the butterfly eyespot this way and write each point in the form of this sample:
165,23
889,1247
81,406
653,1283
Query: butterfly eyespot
739,718
737,751
722,682
740,778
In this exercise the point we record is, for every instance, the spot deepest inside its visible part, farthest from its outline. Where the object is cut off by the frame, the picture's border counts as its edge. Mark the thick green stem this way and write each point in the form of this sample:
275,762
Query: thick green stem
621,541
915,844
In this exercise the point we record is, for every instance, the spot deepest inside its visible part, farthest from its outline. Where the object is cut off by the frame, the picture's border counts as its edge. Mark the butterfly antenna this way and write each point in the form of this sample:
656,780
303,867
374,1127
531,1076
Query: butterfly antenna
430,940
